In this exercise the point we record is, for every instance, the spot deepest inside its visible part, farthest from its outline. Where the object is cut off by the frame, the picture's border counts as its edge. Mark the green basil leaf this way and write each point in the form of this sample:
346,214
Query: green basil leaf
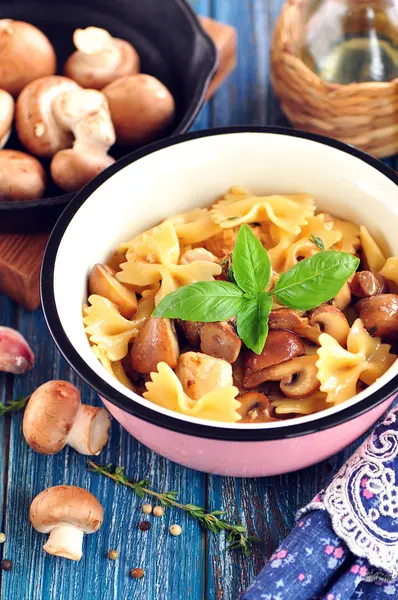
315,280
250,262
207,301
318,241
252,321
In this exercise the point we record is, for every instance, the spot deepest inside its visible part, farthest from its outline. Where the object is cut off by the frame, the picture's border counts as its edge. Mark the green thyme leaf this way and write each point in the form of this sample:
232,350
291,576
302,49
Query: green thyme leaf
250,262
252,322
318,241
315,280
207,301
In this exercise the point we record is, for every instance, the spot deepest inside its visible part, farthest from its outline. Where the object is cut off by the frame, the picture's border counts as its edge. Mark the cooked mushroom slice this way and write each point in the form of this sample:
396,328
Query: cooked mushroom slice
379,315
55,417
298,377
156,342
365,285
103,283
100,58
66,512
281,345
330,320
141,108
254,408
220,340
201,374
6,116
22,178
191,331
25,55
287,318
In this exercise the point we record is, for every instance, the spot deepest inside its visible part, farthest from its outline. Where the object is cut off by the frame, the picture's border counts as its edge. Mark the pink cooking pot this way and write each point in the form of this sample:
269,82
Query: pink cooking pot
177,175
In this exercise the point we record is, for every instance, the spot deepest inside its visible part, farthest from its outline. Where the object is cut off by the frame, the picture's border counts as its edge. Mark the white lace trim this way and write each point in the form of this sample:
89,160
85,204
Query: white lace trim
354,521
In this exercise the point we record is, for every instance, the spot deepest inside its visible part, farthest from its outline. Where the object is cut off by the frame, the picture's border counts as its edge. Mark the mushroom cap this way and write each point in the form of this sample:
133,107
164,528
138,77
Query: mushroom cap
103,282
379,314
25,55
6,116
365,284
36,125
141,108
50,415
255,408
71,170
220,340
66,504
21,176
85,67
298,376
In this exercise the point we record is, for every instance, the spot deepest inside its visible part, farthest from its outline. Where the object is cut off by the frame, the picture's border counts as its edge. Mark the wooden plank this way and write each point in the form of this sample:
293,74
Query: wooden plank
37,576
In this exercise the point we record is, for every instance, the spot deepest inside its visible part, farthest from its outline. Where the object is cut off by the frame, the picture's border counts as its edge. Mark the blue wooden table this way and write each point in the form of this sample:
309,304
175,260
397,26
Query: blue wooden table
196,565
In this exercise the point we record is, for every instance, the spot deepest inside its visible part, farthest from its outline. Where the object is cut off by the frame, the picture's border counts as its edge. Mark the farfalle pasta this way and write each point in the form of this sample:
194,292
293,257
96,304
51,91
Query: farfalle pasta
311,360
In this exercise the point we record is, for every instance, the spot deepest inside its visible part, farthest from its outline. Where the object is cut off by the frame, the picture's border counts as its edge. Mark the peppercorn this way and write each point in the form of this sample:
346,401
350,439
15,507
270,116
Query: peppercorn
158,511
144,525
6,565
146,509
175,530
113,554
137,573
2,538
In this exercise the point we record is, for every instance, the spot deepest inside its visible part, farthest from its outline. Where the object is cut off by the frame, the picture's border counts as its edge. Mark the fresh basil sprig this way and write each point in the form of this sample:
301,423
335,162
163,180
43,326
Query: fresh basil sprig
308,284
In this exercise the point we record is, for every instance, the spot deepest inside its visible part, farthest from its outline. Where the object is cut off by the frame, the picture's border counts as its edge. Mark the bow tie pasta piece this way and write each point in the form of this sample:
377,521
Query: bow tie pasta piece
339,370
115,368
301,406
349,241
195,226
153,259
372,253
304,247
390,269
107,329
166,390
289,213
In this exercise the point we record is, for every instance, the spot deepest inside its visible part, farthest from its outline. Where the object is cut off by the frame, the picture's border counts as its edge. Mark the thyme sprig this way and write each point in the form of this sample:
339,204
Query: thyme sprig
14,405
237,538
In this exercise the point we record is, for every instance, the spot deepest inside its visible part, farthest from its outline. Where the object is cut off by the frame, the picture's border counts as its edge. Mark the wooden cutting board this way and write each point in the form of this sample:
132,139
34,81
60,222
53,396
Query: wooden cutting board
21,255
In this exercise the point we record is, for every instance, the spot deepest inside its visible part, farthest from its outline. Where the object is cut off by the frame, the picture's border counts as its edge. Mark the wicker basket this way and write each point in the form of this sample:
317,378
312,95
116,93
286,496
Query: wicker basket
362,114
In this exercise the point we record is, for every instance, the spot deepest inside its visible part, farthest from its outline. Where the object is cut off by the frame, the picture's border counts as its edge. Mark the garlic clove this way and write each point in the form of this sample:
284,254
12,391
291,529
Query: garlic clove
16,355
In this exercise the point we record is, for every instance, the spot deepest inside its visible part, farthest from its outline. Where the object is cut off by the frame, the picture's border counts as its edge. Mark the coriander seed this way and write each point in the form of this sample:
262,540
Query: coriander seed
137,573
144,525
6,565
146,509
175,530
113,554
158,511
2,538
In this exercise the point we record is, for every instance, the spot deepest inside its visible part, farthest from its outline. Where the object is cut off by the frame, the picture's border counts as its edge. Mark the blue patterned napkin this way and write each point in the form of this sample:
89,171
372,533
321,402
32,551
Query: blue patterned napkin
345,544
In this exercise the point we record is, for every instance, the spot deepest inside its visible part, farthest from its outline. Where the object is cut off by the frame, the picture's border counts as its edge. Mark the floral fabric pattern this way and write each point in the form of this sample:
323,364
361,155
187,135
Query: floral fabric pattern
345,544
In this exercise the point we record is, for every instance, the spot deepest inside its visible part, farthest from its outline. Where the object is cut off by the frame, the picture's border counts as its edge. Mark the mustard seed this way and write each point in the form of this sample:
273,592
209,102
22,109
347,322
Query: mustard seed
113,554
146,509
6,565
2,538
158,511
144,525
175,530
137,573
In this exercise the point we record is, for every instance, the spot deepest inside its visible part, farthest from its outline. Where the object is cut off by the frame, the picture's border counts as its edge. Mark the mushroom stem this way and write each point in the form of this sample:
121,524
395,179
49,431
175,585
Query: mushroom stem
98,47
65,540
89,433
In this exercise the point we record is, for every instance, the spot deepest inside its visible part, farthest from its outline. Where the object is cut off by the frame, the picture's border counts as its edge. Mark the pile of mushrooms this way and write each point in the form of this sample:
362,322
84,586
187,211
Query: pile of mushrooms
72,120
